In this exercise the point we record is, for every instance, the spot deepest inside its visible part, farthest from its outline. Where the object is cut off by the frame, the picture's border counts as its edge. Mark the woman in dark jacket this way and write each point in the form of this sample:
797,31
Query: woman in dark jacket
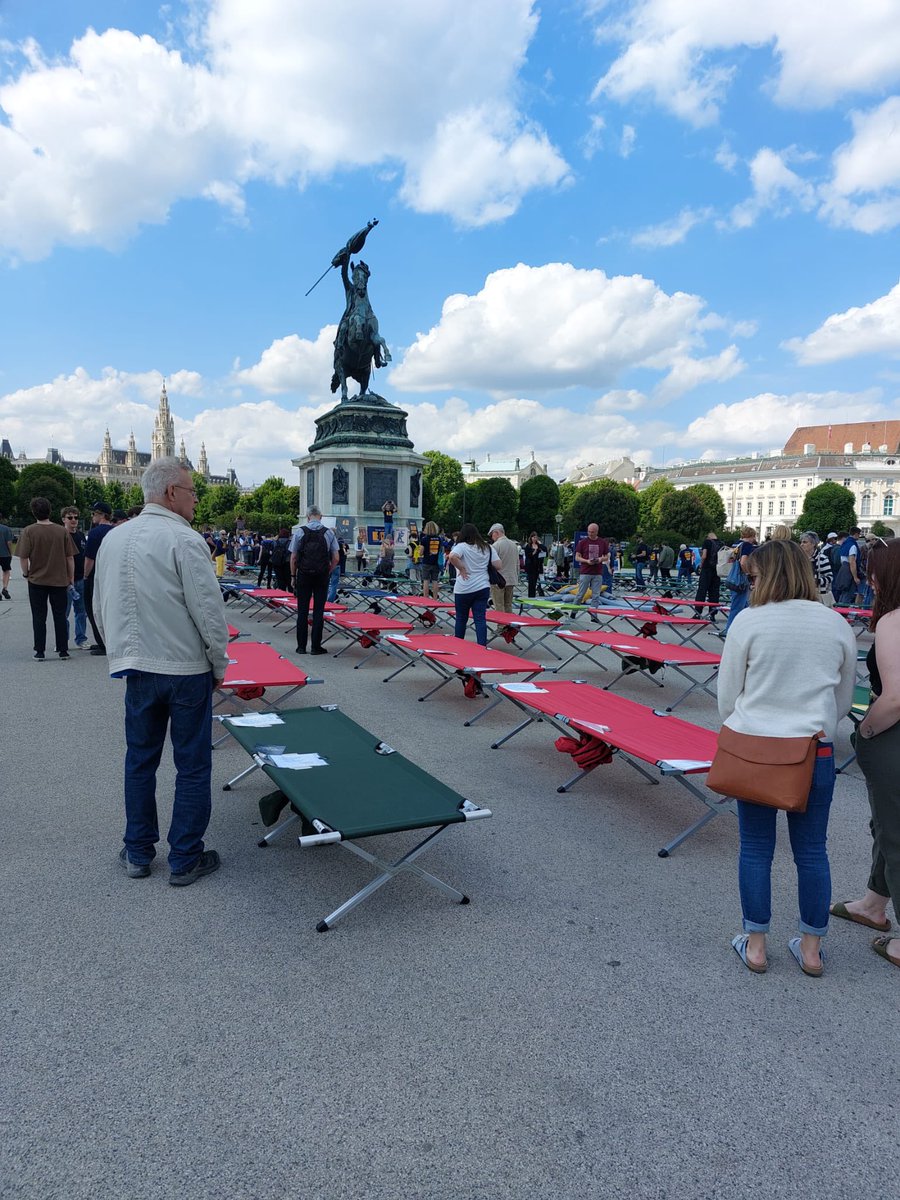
281,560
535,556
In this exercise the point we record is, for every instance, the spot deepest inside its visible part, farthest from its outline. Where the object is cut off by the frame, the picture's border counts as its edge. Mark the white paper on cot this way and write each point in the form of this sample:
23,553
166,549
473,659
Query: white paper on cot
256,720
686,764
240,682
398,637
524,687
594,728
297,762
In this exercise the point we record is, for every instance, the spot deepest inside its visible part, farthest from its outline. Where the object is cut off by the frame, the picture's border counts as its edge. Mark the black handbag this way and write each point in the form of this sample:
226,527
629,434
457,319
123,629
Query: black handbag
496,579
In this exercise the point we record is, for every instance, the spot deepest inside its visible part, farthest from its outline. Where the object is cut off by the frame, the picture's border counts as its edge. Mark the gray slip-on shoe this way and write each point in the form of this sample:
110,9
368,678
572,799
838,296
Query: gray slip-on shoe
133,870
208,862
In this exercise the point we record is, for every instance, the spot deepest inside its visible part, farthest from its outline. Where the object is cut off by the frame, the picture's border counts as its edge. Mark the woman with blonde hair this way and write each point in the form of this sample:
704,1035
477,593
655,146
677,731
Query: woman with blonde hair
431,544
762,693
878,753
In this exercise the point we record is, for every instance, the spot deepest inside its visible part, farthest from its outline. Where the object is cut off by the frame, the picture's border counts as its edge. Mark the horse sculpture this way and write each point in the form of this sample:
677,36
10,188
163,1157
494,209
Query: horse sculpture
358,341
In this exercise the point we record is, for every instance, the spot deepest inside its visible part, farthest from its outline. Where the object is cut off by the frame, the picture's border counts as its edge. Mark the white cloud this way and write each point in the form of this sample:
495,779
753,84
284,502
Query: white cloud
675,51
672,232
769,419
776,188
726,157
688,373
537,328
593,139
629,137
115,133
294,364
864,191
870,329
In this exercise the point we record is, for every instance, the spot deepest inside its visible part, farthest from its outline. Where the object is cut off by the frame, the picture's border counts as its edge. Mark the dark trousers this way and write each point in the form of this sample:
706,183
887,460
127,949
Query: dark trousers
39,596
708,589
879,759
89,607
315,588
283,576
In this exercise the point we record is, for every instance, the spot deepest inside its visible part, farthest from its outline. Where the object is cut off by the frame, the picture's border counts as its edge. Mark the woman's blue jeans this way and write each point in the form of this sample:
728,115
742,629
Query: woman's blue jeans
183,704
739,601
476,603
808,833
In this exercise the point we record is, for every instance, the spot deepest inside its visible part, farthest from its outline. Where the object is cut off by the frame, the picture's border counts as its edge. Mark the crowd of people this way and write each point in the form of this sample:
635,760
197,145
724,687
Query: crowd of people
147,584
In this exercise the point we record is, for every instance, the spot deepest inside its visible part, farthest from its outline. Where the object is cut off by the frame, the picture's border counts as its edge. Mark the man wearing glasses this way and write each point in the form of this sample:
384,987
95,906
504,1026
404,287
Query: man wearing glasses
76,593
163,621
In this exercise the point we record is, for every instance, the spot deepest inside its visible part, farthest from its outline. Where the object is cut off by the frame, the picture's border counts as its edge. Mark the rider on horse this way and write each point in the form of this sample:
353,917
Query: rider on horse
358,340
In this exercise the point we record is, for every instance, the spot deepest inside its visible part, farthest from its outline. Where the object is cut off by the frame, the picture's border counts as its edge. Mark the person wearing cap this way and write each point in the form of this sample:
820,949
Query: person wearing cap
101,525
119,516
833,550
218,552
508,553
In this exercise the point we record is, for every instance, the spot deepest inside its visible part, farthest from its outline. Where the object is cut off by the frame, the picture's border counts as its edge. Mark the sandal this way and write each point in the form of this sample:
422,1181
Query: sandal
815,972
841,910
880,946
739,945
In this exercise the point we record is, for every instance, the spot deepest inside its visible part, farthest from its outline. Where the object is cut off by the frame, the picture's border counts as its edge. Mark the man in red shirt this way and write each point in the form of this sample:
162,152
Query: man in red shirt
591,554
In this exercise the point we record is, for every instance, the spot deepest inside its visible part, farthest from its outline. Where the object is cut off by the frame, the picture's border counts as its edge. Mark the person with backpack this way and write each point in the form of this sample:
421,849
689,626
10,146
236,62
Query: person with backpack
314,555
280,560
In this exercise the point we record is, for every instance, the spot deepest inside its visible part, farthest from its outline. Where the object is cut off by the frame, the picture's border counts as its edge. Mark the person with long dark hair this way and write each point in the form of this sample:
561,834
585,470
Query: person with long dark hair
878,753
471,589
762,693
535,557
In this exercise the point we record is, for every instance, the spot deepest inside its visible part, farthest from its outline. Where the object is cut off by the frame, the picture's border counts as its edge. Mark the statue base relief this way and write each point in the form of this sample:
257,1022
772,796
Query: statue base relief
361,458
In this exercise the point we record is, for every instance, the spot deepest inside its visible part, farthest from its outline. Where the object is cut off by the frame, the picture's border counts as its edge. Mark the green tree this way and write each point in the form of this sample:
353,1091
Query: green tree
567,494
712,506
490,500
44,479
613,506
222,499
443,490
201,487
9,478
684,510
879,529
114,494
650,499
538,505
827,507
92,490
134,497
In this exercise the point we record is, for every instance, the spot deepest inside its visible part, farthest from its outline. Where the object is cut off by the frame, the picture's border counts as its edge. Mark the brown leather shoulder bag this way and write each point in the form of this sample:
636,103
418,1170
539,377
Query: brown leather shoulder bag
775,771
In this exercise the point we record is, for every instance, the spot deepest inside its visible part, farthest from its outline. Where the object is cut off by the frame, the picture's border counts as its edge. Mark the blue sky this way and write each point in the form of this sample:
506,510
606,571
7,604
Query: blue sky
666,228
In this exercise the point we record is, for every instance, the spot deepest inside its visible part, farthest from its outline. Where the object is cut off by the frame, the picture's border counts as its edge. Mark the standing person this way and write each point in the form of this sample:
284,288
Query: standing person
361,553
75,598
266,546
47,557
611,567
666,563
384,568
471,589
535,557
653,563
281,560
591,553
707,576
101,525
432,545
6,538
740,600
508,552
765,642
160,610
388,509
314,555
640,557
878,753
220,551
821,565
846,582
685,564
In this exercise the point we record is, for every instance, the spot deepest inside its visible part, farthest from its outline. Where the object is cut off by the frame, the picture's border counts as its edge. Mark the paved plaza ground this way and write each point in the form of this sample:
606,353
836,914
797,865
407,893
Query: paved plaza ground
581,1029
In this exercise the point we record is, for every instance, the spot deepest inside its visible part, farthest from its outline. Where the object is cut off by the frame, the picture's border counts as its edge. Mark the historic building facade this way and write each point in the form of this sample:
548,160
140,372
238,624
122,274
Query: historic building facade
127,466
769,490
511,469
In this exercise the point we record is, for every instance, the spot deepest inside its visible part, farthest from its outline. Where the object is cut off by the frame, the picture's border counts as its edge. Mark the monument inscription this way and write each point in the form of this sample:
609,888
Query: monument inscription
379,486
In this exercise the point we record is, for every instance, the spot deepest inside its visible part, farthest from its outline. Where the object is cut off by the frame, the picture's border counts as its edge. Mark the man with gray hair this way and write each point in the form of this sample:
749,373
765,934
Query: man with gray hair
314,555
162,619
508,551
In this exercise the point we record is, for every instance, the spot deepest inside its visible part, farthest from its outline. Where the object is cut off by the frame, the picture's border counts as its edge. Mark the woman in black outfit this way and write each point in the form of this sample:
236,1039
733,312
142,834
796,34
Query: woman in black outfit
535,554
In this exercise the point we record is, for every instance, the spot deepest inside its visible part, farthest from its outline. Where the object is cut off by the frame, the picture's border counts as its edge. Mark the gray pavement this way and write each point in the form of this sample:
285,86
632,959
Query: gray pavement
581,1029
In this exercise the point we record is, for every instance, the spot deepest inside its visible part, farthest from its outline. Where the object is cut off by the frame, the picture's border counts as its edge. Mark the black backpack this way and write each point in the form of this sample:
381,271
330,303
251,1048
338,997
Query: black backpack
313,556
279,553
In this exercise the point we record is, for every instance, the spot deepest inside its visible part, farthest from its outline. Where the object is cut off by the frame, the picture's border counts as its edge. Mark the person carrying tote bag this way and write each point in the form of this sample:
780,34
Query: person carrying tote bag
786,678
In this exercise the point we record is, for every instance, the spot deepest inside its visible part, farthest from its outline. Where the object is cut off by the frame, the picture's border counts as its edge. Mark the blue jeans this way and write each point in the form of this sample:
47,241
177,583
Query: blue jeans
333,580
639,574
808,833
739,601
80,613
184,703
476,603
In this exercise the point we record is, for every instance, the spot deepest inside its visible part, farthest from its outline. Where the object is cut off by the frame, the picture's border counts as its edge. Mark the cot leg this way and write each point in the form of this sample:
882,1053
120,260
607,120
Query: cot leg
437,687
682,837
512,733
487,708
394,674
226,787
279,829
564,787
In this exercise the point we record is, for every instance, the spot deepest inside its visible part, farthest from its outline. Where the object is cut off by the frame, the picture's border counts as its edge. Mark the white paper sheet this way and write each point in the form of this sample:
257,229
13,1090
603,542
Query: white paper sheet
594,728
524,687
686,764
297,762
256,720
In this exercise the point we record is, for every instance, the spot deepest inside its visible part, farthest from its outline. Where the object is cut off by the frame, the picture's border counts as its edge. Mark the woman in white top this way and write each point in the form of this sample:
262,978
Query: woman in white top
770,687
470,557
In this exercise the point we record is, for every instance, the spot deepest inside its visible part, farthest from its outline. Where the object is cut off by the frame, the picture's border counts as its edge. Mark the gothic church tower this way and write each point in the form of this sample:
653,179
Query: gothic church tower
162,442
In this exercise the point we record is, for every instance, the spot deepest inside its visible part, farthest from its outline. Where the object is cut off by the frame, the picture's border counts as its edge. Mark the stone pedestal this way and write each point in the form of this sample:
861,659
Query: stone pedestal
362,457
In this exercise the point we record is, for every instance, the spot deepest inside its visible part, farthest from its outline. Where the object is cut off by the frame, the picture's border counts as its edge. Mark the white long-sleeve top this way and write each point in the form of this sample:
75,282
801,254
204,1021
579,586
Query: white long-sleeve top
787,670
